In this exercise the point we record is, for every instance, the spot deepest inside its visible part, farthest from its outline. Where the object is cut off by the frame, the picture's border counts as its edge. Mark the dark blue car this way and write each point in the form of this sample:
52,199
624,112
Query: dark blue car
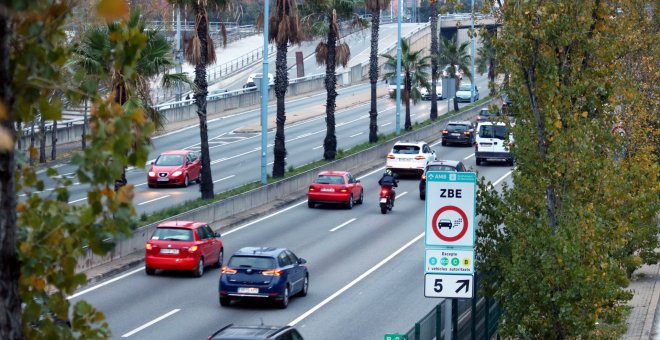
273,274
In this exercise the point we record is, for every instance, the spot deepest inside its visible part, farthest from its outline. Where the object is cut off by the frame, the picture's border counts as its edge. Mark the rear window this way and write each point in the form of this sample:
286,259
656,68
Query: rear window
440,168
406,149
493,131
258,262
173,234
465,87
457,127
325,179
169,160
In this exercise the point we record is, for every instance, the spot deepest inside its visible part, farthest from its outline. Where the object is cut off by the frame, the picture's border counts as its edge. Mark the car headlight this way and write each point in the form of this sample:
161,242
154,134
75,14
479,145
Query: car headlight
152,174
176,174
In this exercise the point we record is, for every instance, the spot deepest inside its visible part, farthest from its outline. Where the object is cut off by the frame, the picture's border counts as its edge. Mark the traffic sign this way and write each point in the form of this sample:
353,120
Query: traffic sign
449,286
396,336
450,209
449,261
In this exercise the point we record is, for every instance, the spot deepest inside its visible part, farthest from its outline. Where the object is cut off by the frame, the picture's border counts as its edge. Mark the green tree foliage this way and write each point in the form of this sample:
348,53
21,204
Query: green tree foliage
457,56
582,213
49,233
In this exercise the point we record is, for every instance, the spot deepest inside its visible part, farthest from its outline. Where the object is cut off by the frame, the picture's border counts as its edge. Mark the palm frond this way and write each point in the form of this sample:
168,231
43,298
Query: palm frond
193,51
259,25
321,53
343,54
283,30
273,25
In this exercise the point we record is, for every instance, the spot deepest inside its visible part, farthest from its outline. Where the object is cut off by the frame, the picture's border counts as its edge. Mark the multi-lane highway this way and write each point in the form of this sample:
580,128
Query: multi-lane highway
366,277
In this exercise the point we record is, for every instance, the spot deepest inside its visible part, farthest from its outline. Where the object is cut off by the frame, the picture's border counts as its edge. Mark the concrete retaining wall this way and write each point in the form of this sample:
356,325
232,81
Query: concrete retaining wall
288,189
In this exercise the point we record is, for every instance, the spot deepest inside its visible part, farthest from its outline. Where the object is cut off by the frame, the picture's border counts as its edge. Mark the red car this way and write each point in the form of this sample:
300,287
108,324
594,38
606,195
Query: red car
178,167
335,187
183,245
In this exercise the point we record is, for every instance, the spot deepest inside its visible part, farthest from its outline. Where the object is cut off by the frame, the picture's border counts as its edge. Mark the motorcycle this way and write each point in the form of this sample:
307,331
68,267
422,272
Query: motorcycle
386,202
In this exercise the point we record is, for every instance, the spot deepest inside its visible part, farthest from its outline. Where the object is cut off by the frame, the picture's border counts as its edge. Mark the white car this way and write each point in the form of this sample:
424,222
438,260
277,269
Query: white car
426,94
409,157
493,142
464,93
271,79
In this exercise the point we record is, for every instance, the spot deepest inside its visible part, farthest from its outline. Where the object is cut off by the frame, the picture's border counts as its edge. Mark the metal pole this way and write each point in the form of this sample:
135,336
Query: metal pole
264,98
398,70
472,61
454,318
438,321
177,53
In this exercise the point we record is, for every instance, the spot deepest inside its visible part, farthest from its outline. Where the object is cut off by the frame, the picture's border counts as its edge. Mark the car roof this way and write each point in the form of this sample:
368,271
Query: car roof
409,143
333,173
181,224
443,162
259,251
175,152
462,122
234,332
492,123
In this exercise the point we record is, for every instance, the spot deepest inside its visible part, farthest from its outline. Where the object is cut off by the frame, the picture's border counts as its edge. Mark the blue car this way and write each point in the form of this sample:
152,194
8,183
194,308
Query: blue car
273,274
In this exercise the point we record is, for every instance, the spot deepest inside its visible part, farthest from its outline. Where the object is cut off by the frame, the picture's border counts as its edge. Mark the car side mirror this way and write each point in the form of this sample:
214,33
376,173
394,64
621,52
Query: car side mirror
302,261
152,162
217,234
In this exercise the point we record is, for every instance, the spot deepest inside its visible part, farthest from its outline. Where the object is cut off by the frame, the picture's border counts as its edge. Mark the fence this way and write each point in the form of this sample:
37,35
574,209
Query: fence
471,319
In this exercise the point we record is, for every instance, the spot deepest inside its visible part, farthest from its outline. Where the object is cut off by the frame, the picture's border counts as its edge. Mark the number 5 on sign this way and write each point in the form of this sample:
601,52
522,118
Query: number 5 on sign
448,286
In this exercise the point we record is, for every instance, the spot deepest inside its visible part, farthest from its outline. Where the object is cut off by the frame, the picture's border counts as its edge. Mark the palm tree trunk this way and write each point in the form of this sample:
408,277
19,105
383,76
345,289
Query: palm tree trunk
434,59
10,301
457,81
408,89
330,142
281,84
373,76
491,74
53,141
42,140
200,100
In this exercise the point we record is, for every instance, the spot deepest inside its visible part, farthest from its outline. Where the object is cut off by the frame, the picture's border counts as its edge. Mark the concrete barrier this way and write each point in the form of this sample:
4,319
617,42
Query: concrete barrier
289,189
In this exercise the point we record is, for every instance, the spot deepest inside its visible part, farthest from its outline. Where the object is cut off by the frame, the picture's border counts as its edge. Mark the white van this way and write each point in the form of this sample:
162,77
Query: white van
493,142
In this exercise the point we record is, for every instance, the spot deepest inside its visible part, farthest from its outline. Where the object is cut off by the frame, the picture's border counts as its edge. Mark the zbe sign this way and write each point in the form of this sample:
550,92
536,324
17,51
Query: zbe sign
450,209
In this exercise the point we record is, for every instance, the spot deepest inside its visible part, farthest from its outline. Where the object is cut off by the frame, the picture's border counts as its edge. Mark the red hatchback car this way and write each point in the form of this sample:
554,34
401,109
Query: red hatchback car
183,245
178,167
335,187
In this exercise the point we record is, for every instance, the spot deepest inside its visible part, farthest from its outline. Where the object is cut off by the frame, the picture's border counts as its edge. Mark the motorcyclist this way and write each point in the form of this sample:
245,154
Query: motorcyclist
388,181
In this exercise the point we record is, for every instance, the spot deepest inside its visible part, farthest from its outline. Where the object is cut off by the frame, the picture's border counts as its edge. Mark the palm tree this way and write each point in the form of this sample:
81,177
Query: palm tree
284,28
434,58
374,6
415,68
486,59
129,91
457,57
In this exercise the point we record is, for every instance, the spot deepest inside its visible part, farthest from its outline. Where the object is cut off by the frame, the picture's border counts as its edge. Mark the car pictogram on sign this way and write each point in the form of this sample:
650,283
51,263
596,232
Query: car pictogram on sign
446,223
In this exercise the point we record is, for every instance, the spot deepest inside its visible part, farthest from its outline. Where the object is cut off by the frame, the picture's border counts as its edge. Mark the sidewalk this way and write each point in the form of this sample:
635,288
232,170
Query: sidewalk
644,304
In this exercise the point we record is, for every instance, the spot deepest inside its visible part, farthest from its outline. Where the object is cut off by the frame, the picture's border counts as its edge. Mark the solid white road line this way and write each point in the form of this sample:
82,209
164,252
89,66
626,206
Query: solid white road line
343,224
357,134
104,283
354,282
263,218
502,178
82,199
386,124
469,156
153,200
401,194
318,147
222,179
150,323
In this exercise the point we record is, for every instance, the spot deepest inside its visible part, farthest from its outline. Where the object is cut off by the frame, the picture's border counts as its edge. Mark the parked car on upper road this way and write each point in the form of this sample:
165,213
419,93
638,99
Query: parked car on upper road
337,187
458,132
463,94
426,94
442,165
261,332
265,273
183,245
409,157
177,167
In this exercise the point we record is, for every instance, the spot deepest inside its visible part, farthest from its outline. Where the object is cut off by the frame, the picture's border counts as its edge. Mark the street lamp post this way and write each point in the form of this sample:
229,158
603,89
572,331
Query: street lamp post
264,99
178,55
472,59
398,69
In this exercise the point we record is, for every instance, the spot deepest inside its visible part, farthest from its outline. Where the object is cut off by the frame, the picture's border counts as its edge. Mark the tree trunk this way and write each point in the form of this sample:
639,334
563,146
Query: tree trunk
31,142
10,301
281,84
42,140
408,88
84,127
200,99
373,76
330,142
53,141
491,75
458,83
434,59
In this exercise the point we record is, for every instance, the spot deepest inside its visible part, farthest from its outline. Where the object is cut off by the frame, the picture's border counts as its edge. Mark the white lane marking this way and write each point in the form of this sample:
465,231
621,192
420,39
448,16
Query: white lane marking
371,173
153,200
386,124
354,282
357,134
271,163
401,194
304,135
468,157
104,283
141,184
232,157
502,178
150,323
436,143
343,224
318,147
222,179
82,199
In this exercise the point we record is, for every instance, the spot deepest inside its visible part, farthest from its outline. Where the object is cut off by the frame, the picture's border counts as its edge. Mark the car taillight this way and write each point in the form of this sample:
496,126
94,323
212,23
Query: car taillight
343,190
193,249
312,188
149,246
390,157
384,191
466,132
419,158
227,270
444,132
274,272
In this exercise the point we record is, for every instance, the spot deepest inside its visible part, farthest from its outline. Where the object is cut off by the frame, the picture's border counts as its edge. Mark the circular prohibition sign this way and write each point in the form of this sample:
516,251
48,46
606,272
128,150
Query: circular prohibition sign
436,229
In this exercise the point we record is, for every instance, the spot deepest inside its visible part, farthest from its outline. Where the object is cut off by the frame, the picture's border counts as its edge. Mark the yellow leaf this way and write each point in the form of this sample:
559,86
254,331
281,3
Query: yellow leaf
558,124
125,194
112,10
108,192
6,139
20,207
585,114
138,116
3,112
25,247
39,283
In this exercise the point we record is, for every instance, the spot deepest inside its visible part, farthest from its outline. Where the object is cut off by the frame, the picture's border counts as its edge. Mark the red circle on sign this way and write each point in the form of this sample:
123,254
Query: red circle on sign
436,229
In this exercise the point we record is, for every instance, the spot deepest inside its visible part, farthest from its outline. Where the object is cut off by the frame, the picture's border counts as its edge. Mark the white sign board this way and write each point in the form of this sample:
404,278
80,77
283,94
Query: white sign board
449,261
450,209
448,286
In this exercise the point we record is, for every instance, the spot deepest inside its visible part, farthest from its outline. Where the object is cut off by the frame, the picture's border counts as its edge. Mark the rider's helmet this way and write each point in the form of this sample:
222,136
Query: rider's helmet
388,172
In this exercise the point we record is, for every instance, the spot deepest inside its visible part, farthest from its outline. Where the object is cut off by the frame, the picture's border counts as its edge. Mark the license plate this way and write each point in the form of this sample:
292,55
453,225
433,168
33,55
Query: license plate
327,189
169,251
163,179
383,200
248,290
455,134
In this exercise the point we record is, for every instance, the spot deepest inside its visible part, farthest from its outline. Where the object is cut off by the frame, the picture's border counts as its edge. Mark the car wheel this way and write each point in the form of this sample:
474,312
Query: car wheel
224,302
221,257
444,143
349,205
199,178
305,287
478,161
422,196
285,298
311,204
150,271
186,181
361,198
199,270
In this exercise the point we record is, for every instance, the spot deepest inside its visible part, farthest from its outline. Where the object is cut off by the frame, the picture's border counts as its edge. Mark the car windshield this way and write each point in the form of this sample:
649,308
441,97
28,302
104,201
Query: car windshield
329,179
258,262
440,168
465,87
406,149
456,127
493,131
169,160
173,234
